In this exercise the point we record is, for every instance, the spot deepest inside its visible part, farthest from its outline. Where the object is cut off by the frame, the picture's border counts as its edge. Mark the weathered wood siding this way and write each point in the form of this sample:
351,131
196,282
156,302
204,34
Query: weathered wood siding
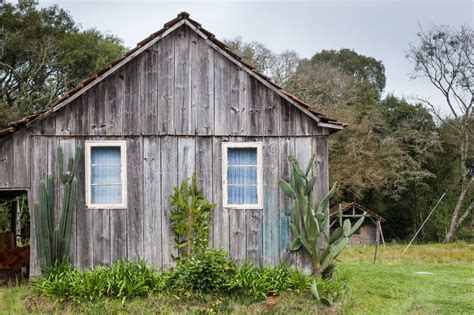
180,86
174,105
157,164
15,161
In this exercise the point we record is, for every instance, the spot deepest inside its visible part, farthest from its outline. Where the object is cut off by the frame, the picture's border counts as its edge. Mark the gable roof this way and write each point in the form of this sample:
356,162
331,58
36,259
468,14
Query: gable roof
182,19
349,205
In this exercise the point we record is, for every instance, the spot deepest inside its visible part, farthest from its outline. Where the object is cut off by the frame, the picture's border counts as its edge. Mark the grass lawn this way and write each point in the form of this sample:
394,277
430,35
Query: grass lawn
429,279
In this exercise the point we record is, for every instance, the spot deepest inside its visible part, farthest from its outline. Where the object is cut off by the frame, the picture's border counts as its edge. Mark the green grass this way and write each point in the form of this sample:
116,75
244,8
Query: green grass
390,286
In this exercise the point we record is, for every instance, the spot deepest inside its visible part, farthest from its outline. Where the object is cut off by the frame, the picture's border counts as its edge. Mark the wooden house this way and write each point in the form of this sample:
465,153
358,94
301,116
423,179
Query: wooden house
370,233
180,102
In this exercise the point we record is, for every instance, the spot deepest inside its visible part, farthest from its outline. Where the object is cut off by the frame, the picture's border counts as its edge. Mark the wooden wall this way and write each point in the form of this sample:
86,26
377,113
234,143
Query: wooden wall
156,165
180,86
15,161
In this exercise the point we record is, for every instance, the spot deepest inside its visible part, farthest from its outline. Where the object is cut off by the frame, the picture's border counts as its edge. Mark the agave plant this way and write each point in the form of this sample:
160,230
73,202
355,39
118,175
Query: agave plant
308,220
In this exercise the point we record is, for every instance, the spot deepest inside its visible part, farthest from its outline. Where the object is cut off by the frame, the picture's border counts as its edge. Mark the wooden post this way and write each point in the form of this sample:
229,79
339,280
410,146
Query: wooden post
18,220
13,210
379,227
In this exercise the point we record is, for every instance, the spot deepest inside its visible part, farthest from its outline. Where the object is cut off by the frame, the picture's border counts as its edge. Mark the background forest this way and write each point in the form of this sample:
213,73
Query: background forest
396,156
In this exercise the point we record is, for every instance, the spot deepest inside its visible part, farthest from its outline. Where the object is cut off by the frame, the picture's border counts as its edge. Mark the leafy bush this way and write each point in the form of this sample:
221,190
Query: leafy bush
121,280
190,217
209,270
268,280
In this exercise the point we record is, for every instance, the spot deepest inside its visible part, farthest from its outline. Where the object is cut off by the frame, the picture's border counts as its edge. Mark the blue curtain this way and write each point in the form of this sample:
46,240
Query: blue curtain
242,176
106,183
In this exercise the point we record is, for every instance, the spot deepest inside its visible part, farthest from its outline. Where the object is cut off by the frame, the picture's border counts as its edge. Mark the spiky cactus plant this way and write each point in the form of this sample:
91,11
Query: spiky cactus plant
53,243
307,220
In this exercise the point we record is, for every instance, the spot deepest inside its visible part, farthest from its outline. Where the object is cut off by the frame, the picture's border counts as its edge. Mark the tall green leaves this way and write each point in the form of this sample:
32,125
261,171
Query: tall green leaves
190,217
308,220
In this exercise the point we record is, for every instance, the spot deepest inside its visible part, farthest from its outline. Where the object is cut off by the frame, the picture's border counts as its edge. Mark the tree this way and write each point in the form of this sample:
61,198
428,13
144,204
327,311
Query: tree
339,93
446,58
279,67
367,71
44,53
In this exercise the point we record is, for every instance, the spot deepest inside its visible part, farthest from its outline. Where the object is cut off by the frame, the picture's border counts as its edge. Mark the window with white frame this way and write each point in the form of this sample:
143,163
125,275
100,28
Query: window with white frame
242,175
106,174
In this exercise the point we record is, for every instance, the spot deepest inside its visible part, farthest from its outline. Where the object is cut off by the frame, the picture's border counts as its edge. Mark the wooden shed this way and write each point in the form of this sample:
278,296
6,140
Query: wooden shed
180,102
370,233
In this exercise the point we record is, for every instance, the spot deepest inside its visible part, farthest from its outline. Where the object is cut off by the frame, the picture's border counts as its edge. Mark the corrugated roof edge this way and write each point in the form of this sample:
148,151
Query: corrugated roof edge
330,123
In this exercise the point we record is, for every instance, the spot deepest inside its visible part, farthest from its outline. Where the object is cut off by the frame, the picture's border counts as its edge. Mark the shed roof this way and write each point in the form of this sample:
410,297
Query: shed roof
183,18
345,206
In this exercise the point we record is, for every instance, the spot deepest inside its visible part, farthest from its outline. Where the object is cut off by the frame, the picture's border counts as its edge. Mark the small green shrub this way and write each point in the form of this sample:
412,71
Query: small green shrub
121,280
266,281
190,217
209,270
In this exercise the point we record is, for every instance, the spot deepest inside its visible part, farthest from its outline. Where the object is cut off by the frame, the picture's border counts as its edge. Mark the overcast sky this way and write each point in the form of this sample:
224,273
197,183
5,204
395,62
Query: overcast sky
381,29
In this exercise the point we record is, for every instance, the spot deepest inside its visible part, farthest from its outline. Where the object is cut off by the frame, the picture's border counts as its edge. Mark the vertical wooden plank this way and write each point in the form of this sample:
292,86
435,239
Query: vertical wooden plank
6,162
186,158
82,124
272,113
149,88
84,239
287,123
182,82
321,171
66,120
112,116
220,216
165,51
238,235
286,146
303,150
131,112
204,171
145,96
118,234
169,179
238,117
134,198
152,201
95,98
22,160
255,98
271,222
118,107
254,221
222,81
101,232
202,81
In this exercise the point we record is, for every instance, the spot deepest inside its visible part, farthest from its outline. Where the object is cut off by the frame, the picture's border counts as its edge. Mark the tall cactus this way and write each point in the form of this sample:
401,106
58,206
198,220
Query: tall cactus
53,243
307,220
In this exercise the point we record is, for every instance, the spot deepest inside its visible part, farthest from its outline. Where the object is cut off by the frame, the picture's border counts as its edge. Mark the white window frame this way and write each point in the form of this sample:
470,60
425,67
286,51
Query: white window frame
225,147
123,159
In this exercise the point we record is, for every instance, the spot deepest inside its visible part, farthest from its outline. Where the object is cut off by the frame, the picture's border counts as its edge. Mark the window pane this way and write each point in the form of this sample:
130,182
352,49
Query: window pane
242,156
242,175
105,155
106,194
105,174
239,195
